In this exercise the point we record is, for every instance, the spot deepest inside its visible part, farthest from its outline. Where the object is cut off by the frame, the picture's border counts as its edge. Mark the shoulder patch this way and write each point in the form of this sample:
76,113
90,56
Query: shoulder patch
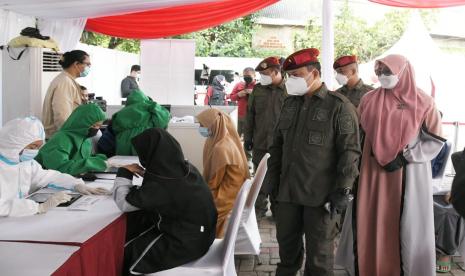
346,124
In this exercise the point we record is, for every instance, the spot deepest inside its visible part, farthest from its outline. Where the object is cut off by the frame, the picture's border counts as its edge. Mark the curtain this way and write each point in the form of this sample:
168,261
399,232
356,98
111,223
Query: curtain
420,3
66,32
175,20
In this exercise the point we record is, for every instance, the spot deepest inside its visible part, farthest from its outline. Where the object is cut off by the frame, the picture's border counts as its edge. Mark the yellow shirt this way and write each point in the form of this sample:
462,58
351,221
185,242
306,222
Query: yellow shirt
63,96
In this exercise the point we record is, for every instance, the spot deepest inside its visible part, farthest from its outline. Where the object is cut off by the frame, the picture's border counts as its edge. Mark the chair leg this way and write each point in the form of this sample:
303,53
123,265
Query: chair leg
257,260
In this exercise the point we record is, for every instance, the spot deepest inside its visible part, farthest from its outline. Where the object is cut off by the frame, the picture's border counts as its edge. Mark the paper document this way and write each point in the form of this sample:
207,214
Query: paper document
120,161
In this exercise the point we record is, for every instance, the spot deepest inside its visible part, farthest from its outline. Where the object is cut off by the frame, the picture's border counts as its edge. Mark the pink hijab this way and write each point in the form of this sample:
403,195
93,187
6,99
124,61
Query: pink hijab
392,118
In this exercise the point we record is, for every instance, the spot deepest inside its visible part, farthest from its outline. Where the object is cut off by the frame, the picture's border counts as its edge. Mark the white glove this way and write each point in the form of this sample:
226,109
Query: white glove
86,190
53,201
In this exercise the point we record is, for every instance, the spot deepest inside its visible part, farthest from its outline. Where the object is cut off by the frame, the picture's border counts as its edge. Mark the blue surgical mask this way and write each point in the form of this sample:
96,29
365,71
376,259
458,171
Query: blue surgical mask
204,131
85,72
28,154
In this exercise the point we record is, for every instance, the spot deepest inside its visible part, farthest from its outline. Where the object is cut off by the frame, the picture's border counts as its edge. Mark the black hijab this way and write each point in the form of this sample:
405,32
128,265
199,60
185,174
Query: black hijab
160,154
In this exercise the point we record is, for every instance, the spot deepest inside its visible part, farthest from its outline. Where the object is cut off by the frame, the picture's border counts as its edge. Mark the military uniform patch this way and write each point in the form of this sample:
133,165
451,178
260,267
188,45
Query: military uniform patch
321,115
346,124
315,138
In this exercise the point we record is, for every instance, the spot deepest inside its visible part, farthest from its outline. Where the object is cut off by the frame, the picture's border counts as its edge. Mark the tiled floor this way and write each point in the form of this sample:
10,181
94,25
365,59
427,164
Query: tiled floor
269,256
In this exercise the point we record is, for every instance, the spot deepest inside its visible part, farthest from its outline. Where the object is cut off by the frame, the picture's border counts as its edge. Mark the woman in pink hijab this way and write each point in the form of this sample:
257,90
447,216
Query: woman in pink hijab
393,208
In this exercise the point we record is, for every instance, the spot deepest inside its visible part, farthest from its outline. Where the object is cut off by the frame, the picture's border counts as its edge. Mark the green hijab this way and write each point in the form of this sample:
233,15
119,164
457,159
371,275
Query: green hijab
70,150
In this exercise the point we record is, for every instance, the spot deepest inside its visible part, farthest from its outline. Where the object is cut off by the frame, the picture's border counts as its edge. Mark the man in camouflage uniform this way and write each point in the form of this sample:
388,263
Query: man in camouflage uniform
264,108
312,167
353,87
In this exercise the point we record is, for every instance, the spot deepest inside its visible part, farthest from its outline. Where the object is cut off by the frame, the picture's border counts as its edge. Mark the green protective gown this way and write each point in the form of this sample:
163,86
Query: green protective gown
139,114
69,149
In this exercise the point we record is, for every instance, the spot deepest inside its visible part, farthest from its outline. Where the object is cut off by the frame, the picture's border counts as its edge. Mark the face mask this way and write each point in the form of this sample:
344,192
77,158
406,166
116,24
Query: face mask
204,131
85,72
388,82
296,86
341,79
28,154
92,132
248,79
266,80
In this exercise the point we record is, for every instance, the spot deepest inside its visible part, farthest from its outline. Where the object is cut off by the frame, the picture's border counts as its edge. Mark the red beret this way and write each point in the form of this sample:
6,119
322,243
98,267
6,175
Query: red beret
268,63
301,58
343,61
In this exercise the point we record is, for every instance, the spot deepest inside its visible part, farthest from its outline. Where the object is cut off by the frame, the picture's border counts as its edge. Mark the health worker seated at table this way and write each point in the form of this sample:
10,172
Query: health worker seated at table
69,150
172,216
224,163
139,114
21,175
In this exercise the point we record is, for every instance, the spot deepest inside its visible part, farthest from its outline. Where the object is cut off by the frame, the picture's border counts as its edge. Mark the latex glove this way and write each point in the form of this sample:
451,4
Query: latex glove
53,201
86,190
337,202
248,145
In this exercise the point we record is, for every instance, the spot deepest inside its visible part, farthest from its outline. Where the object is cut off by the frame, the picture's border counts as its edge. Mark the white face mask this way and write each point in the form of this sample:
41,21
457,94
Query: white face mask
388,82
296,86
341,79
265,80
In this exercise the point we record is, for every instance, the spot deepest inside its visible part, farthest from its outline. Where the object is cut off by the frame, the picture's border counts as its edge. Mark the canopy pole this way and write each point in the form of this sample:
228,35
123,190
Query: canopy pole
328,43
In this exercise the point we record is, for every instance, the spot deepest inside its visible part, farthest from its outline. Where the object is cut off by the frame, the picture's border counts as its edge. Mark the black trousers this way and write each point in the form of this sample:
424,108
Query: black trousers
292,222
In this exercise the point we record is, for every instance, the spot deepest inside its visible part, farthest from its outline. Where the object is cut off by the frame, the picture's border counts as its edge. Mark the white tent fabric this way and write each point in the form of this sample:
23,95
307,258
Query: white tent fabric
417,45
87,8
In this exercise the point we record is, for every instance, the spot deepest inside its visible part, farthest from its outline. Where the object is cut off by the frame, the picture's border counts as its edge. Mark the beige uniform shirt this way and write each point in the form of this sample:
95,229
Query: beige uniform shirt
63,96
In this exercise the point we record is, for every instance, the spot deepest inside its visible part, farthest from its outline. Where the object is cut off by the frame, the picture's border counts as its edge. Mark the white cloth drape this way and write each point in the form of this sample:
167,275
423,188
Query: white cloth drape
89,8
66,32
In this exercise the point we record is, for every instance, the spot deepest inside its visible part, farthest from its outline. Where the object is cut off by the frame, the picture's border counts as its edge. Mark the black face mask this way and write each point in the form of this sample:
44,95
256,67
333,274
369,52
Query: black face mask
92,132
248,79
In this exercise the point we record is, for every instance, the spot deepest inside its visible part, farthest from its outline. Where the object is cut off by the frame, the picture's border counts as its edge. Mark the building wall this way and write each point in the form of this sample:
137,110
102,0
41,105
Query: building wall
271,37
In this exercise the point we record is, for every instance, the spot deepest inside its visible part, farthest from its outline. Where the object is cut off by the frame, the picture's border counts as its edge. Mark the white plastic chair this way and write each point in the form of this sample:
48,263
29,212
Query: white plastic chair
248,237
219,260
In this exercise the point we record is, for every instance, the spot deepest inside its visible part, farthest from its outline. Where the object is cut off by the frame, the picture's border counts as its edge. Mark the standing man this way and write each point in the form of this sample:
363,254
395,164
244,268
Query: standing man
353,88
313,164
129,83
264,108
240,94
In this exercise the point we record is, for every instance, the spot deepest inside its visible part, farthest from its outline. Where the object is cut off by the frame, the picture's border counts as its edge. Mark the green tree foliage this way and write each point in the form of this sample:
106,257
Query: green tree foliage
232,39
127,45
353,35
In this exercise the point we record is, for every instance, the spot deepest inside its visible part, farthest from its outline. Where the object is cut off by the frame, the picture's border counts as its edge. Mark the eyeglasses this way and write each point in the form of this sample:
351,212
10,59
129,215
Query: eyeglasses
383,71
86,63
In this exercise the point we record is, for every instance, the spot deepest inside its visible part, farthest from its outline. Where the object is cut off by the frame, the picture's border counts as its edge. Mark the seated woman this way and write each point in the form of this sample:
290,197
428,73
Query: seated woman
69,150
139,114
449,225
21,175
175,216
224,163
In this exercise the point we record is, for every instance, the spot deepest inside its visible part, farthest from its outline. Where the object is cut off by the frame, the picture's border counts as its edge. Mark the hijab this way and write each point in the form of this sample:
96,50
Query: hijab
224,146
392,118
218,88
160,154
